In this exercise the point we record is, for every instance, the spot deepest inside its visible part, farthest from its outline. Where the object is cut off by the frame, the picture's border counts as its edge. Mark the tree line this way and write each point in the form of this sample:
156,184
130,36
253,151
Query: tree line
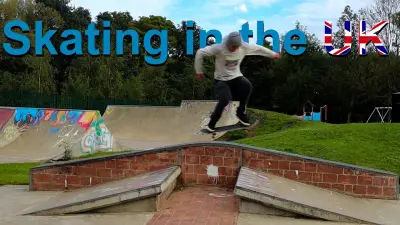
350,85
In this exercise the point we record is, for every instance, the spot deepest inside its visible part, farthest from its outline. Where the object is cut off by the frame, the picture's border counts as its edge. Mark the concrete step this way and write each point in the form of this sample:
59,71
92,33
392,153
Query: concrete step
143,193
289,196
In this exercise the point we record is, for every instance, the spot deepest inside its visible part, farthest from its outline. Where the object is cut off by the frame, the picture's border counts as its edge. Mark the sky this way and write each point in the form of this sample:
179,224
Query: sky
229,15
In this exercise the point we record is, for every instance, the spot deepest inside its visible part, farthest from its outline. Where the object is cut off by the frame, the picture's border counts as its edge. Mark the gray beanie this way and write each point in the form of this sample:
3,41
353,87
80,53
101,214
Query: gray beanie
234,38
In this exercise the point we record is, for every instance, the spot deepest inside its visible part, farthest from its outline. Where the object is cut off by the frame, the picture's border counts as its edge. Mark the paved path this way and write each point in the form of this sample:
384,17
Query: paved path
199,205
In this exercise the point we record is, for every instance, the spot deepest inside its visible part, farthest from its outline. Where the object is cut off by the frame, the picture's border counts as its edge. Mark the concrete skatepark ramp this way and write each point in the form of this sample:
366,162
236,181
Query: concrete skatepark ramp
146,127
34,135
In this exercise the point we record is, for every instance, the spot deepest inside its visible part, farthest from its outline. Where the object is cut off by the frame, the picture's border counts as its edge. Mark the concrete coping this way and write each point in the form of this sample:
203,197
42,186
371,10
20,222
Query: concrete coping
211,144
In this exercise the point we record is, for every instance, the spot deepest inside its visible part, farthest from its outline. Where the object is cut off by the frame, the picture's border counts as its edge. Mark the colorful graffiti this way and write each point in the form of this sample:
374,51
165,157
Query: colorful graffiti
5,115
31,117
97,137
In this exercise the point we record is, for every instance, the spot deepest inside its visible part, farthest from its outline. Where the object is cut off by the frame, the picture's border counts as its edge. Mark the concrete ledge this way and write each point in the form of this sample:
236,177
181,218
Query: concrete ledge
157,185
311,201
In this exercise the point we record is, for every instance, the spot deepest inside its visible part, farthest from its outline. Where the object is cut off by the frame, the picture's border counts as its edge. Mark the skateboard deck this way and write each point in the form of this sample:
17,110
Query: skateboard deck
237,126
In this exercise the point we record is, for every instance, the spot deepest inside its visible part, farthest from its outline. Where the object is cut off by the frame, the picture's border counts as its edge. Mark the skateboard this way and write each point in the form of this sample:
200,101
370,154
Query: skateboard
237,126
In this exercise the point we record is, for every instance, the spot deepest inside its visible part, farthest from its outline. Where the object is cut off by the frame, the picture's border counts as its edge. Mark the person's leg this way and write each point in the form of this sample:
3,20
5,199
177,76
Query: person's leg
224,93
241,91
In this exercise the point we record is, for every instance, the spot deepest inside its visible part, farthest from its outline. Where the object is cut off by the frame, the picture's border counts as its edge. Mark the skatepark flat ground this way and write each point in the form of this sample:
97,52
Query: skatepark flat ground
15,199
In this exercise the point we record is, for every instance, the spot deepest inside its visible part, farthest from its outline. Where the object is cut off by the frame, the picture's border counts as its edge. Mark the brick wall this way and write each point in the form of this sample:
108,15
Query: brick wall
200,163
88,173
334,177
196,162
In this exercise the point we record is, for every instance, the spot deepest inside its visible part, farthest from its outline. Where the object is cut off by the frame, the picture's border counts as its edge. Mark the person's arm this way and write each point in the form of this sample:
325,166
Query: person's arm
254,49
211,50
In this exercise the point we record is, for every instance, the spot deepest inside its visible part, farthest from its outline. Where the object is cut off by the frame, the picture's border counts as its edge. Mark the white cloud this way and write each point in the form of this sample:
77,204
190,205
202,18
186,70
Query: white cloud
241,8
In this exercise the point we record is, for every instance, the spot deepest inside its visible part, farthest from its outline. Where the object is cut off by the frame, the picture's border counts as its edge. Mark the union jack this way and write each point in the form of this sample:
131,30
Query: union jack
347,39
364,37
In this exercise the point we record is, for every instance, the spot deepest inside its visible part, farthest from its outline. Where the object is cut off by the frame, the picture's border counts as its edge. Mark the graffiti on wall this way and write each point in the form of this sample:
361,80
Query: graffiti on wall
97,137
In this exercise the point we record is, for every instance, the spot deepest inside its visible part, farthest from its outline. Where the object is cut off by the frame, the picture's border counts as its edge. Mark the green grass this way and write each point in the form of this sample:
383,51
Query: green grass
372,145
15,173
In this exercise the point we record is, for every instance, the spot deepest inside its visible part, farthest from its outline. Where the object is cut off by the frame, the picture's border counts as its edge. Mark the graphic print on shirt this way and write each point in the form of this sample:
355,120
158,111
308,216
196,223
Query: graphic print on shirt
232,61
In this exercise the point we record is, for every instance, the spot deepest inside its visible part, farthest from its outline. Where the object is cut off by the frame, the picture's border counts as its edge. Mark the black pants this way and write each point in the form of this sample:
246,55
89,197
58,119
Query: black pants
238,89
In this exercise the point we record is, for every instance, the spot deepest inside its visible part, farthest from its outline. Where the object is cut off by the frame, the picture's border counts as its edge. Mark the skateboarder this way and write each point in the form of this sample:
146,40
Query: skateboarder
229,82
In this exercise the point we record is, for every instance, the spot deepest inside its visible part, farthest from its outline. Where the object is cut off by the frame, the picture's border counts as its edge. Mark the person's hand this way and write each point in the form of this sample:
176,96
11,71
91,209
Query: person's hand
199,76
276,56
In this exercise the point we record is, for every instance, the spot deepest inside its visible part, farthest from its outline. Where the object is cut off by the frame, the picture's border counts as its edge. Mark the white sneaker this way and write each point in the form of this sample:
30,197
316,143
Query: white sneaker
209,129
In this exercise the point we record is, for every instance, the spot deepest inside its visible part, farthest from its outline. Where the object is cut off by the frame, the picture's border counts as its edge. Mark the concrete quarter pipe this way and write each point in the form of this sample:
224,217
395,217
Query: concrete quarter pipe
146,127
34,135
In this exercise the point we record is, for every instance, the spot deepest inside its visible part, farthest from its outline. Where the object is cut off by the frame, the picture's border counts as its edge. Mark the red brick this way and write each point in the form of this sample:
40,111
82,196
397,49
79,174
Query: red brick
130,173
304,176
123,164
389,191
256,163
71,179
151,157
221,180
231,180
348,188
85,181
59,179
276,172
139,159
329,178
157,166
231,162
263,156
271,164
348,171
322,168
364,180
347,179
317,177
192,159
199,169
290,175
206,160
100,164
279,158
42,178
193,151
225,171
190,178
235,172
171,157
284,165
296,166
87,171
96,180
324,185
360,190
247,154
111,164
237,153
74,187
392,182
218,161
104,172
310,167
203,179
139,166
380,181
339,187
189,169
374,190
117,173
226,152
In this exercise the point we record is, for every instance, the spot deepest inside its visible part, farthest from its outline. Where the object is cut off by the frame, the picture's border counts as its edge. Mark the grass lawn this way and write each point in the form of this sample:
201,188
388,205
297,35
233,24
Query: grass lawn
373,145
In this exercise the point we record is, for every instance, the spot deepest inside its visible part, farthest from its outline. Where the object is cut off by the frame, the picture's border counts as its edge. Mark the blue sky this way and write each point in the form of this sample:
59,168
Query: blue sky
229,15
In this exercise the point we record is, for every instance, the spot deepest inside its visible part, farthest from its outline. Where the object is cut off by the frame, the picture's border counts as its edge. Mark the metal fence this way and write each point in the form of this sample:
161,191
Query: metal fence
43,100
